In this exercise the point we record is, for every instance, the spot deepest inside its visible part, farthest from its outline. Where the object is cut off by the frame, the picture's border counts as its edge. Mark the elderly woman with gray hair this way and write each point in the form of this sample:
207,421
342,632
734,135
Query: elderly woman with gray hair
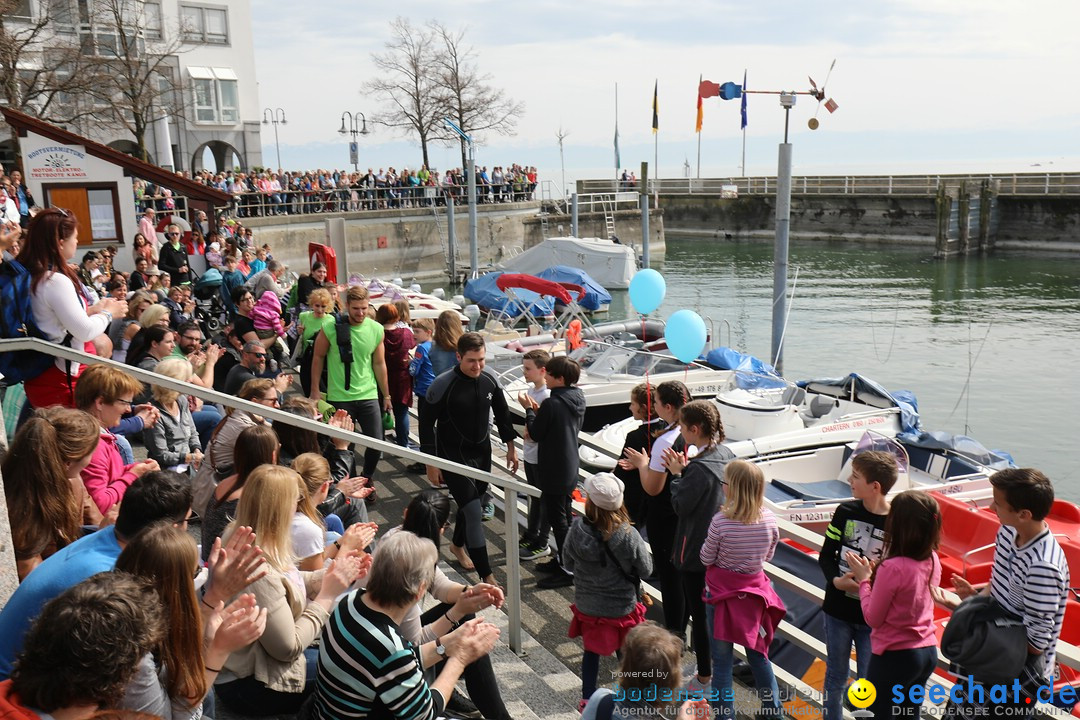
367,668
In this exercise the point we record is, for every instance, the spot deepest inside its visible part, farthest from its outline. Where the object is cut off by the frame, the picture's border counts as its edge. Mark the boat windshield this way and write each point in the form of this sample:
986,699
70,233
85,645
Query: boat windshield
603,360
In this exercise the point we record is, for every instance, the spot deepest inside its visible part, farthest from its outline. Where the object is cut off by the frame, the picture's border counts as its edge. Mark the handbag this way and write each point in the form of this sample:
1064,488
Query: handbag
987,640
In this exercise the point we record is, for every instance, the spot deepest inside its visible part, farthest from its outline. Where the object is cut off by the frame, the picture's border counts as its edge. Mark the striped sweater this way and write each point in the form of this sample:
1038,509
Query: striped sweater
368,670
740,548
1032,581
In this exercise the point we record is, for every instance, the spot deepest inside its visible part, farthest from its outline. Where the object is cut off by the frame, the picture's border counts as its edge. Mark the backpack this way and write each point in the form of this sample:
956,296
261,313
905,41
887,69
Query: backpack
17,322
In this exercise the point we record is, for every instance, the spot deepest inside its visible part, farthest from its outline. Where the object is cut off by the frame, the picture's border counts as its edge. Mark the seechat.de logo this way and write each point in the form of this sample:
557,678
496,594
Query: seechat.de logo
862,693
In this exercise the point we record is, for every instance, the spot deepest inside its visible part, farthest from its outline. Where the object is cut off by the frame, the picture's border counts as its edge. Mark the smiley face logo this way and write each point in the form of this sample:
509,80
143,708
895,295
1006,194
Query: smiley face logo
862,693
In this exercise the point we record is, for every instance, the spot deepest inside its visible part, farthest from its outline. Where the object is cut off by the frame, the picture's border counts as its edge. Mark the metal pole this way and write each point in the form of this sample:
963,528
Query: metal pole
513,570
780,251
277,146
574,215
474,253
644,231
451,238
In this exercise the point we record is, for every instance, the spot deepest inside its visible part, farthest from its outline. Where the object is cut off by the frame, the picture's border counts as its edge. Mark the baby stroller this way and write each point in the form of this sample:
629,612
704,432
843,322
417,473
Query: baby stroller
209,307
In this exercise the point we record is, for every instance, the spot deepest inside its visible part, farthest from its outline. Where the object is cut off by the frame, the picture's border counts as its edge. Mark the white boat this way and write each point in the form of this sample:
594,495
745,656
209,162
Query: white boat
609,262
421,305
804,437
758,421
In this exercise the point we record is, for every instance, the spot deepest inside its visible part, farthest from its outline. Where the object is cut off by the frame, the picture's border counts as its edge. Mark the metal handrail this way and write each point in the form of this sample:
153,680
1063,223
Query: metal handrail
1024,184
511,487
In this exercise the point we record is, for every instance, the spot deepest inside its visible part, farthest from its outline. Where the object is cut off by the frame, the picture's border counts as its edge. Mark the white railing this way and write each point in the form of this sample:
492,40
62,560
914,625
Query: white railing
511,488
1025,184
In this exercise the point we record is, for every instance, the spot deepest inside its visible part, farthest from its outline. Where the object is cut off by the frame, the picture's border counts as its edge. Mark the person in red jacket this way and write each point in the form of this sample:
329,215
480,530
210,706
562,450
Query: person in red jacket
83,649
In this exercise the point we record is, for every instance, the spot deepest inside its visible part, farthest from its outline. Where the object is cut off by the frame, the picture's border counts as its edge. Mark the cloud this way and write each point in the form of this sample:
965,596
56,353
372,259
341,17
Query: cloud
905,68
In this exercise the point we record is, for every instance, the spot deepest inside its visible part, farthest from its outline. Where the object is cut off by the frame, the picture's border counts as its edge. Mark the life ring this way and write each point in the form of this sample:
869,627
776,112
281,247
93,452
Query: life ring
185,231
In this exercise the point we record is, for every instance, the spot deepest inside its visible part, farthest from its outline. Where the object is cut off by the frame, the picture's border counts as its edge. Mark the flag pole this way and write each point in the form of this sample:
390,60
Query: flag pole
616,137
656,144
699,129
743,123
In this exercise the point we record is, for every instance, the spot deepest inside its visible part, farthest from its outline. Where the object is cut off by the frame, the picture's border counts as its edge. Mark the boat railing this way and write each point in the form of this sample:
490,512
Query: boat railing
510,487
598,201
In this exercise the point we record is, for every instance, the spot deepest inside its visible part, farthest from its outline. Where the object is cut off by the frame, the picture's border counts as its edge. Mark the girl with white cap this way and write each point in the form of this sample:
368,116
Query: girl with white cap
608,559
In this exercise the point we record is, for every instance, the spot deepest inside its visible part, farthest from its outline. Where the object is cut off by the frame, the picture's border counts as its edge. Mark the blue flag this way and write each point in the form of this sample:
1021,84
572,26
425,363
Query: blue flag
743,109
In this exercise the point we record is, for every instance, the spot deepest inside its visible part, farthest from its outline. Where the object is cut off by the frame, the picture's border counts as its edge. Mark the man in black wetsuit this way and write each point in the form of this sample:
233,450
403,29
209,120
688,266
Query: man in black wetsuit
459,404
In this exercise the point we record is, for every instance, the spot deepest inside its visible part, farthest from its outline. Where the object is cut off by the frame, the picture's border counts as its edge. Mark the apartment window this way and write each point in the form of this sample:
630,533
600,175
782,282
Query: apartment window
152,20
21,9
205,24
228,95
217,97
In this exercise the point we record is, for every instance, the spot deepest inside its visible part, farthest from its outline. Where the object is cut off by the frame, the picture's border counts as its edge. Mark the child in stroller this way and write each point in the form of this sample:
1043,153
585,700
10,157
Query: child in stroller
209,307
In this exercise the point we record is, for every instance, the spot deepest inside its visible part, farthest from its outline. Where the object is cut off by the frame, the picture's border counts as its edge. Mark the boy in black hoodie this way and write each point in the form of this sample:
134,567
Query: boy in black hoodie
555,425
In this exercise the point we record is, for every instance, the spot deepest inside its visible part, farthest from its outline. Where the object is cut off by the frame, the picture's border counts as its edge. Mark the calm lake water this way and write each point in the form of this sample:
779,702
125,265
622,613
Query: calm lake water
989,345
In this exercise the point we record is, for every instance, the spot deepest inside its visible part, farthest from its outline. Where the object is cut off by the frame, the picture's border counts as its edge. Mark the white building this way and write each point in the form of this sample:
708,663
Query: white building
216,125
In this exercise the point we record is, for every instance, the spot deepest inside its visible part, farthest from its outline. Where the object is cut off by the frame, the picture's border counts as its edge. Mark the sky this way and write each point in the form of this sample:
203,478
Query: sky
923,86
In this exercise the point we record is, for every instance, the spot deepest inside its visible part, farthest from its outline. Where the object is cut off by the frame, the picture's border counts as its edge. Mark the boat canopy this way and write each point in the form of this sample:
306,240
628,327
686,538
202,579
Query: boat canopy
854,384
961,445
750,372
594,295
519,281
485,291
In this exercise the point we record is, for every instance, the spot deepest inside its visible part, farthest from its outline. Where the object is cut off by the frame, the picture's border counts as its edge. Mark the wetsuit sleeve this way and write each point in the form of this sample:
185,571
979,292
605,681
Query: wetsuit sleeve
431,410
503,419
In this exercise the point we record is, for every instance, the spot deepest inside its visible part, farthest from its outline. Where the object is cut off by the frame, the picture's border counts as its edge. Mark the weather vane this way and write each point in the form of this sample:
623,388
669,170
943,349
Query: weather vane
733,91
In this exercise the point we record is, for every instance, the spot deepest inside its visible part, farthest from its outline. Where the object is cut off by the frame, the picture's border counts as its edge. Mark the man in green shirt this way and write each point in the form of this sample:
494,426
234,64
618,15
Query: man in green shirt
356,370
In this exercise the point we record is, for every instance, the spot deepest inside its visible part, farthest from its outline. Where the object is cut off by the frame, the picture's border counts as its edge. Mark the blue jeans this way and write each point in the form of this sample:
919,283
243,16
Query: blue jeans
205,421
124,448
839,635
723,661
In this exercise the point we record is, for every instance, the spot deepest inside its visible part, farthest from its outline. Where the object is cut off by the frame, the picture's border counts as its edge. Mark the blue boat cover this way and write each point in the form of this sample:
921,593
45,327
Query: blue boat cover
910,423
595,294
750,371
484,292
961,445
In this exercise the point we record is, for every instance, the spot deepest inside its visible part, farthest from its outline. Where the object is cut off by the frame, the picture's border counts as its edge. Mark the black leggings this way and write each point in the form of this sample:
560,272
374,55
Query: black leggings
368,416
660,529
469,527
479,676
693,584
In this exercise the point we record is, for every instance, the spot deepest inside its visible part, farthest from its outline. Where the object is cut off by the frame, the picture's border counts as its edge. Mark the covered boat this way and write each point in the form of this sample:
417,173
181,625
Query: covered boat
595,299
486,292
608,262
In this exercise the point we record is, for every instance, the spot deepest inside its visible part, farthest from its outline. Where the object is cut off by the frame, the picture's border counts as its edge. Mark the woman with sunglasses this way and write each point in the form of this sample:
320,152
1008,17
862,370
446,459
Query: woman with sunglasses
61,309
173,256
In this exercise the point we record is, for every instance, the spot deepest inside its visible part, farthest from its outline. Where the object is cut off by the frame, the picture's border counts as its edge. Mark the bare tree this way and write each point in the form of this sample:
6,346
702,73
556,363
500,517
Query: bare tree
470,101
132,66
405,83
42,69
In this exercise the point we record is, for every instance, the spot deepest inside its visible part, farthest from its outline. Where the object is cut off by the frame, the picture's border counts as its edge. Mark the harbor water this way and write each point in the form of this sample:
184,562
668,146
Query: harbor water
989,345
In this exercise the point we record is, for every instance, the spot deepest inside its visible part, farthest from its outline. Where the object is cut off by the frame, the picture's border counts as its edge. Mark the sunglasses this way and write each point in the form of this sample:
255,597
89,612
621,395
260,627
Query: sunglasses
172,234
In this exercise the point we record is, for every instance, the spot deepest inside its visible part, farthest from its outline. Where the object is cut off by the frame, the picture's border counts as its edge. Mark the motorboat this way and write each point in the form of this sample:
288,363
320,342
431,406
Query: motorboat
607,261
421,305
761,417
611,368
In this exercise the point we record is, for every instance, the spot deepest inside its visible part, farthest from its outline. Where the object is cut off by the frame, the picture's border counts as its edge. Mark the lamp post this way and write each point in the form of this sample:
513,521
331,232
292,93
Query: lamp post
357,125
276,117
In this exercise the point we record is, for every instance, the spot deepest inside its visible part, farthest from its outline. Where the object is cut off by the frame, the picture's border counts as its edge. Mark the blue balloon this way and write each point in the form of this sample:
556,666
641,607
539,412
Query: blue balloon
685,334
647,289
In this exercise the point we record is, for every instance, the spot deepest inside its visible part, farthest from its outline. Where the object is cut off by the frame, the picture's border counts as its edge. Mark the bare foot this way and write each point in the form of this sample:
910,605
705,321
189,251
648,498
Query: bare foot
462,557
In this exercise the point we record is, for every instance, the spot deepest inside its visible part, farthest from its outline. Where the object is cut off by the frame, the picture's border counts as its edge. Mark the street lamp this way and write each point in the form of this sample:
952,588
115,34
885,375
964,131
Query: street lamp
355,119
276,117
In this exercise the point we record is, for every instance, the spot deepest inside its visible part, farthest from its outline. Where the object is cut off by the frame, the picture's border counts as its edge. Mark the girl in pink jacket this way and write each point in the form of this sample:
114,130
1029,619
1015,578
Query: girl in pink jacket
266,317
898,604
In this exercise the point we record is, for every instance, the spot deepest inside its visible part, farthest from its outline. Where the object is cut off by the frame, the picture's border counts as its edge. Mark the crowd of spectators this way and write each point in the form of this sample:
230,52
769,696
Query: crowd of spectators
264,192
118,609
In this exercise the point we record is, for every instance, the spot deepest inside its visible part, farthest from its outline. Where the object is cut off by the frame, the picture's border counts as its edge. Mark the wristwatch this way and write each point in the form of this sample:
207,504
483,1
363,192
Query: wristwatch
440,649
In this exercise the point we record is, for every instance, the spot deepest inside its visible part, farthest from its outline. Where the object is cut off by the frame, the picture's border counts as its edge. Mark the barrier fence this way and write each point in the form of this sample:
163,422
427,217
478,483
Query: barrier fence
1021,184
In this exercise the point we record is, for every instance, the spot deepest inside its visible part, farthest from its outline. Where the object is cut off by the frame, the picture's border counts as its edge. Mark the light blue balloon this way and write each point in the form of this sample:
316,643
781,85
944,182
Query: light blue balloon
647,290
685,334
